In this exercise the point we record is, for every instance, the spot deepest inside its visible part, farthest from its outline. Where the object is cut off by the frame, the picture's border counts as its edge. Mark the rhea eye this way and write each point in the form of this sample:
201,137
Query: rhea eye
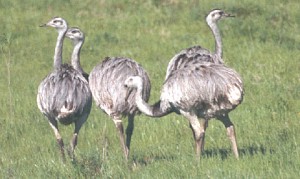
58,22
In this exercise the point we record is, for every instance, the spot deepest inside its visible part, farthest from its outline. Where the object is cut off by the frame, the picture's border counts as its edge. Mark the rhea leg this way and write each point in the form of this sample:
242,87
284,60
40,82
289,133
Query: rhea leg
204,123
53,124
230,133
73,142
129,131
118,123
198,129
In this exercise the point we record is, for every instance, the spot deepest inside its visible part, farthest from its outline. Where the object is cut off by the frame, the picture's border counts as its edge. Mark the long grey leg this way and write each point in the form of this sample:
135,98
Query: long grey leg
204,123
230,133
73,142
198,131
53,124
129,131
118,123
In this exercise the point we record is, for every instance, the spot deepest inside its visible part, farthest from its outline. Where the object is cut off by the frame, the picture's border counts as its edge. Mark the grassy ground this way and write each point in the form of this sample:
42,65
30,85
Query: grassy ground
262,43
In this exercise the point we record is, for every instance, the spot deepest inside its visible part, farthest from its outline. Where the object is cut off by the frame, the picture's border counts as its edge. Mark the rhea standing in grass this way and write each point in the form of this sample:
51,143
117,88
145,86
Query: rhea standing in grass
107,85
199,54
199,92
64,95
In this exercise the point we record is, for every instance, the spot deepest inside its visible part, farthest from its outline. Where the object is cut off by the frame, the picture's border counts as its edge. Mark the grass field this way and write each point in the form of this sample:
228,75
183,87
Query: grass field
262,43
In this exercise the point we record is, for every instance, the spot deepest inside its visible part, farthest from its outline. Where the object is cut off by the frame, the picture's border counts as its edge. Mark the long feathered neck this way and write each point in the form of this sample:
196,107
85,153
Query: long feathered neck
76,56
149,110
218,41
59,49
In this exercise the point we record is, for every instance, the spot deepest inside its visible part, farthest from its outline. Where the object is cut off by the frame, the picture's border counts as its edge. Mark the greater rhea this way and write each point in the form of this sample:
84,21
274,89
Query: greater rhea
197,52
199,90
107,85
64,95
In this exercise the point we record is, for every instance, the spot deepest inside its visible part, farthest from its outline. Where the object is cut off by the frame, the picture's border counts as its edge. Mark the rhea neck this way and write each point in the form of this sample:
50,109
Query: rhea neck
76,56
149,110
59,48
218,40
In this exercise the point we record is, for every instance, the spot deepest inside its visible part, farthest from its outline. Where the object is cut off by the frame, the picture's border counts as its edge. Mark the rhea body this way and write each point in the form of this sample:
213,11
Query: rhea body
106,82
199,92
64,95
199,53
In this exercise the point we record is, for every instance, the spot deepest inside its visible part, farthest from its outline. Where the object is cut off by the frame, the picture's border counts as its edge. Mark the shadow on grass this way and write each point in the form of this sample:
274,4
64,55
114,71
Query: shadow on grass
251,151
146,160
93,165
88,166
209,153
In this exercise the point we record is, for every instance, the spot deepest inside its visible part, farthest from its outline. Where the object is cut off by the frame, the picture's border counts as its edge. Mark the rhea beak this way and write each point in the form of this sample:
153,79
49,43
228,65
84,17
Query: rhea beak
46,24
228,15
43,25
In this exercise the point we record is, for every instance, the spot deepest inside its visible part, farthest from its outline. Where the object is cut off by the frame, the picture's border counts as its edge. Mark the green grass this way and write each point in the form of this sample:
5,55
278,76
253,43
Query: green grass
262,43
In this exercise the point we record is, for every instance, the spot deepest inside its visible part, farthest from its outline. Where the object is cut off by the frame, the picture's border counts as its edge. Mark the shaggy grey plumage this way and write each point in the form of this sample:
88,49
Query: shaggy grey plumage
197,90
107,85
64,95
201,54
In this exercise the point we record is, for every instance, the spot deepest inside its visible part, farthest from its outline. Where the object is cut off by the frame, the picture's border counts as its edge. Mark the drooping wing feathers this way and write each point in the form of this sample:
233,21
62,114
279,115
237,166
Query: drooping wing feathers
64,95
107,85
185,56
208,89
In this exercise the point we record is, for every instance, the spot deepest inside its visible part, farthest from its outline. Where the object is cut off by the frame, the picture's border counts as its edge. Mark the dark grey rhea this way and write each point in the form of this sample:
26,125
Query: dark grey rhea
201,90
199,53
107,85
64,95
